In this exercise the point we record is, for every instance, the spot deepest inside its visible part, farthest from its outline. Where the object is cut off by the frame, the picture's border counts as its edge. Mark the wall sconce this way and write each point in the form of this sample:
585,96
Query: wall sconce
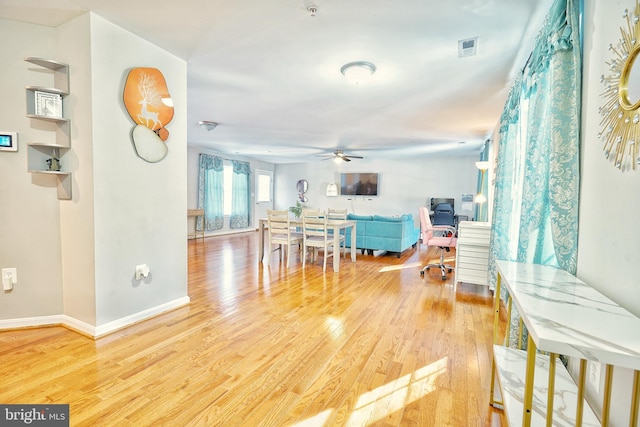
480,198
332,190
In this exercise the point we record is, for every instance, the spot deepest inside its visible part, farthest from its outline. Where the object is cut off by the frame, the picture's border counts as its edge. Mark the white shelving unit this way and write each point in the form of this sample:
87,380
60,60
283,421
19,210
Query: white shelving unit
39,152
472,252
563,316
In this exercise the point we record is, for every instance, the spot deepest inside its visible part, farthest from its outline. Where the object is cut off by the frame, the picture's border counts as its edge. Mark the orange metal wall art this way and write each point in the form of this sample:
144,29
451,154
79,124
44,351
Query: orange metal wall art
149,104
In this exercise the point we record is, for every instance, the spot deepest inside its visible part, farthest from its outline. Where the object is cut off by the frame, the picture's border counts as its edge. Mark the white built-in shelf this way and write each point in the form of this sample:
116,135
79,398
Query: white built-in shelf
49,118
39,152
46,172
60,73
46,89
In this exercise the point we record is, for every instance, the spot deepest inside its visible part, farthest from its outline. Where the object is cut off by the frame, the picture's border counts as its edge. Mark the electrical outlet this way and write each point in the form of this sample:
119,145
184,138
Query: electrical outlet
9,278
593,374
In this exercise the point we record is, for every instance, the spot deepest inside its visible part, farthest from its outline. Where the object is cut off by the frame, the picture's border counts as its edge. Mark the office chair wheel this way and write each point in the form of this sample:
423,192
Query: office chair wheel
421,273
449,270
444,277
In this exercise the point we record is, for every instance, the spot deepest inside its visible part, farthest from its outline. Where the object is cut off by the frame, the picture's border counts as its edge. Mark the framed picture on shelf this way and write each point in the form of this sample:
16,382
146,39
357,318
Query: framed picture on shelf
8,141
48,104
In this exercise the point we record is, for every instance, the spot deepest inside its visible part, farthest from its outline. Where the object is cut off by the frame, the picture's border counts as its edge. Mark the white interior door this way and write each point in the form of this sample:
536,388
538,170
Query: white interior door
264,193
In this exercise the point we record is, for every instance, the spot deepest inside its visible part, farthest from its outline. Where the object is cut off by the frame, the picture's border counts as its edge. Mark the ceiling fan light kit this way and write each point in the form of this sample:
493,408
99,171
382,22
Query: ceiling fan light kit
339,156
358,72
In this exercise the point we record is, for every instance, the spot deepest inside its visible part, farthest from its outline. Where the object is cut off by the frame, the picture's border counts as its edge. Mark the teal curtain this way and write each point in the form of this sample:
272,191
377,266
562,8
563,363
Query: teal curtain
241,196
535,210
210,192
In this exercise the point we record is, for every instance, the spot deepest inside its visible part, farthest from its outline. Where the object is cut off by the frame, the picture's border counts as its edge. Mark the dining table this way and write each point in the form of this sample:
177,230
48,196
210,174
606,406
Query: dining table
335,224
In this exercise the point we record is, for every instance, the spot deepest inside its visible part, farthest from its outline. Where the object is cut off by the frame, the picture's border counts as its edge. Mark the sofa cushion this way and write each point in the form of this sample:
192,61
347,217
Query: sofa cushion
360,217
397,218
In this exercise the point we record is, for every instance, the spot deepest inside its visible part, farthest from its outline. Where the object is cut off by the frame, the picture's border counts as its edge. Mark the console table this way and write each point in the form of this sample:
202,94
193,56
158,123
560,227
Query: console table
563,316
195,213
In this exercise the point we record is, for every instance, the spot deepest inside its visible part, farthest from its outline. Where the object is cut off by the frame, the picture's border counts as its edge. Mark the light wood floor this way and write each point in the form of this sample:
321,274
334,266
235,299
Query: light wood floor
262,345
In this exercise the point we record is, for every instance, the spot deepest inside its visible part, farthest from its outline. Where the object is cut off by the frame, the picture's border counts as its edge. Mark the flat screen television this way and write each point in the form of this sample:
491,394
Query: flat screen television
359,184
435,201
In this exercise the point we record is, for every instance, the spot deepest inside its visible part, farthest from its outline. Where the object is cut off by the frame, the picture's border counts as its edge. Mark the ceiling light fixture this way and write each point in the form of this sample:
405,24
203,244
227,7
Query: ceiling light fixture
206,124
312,10
358,72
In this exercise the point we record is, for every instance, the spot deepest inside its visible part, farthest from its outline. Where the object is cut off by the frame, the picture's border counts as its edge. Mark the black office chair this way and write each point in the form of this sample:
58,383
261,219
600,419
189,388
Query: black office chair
443,214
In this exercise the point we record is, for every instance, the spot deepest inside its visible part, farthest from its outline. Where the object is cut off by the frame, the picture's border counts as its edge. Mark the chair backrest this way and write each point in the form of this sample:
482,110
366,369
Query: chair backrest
426,228
443,214
337,213
314,223
279,224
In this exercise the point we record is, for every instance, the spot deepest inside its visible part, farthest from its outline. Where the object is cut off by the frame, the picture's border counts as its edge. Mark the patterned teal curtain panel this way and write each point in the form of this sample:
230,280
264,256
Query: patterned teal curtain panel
535,210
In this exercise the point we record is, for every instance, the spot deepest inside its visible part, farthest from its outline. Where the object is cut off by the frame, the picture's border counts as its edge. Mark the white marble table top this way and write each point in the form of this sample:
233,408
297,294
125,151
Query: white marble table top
566,316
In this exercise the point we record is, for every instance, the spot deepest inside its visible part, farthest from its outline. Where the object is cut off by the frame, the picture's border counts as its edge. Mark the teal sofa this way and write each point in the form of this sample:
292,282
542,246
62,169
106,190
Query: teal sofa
384,233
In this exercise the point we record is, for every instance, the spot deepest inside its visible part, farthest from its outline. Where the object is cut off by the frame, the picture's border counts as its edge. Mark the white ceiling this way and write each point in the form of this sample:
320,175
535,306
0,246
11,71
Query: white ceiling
269,73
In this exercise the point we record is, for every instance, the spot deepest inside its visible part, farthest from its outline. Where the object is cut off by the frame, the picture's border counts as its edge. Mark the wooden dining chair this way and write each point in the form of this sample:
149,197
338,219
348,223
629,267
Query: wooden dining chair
316,236
339,214
282,234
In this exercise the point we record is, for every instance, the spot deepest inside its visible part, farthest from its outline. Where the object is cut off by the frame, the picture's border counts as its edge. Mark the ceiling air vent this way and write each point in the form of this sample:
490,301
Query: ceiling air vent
467,47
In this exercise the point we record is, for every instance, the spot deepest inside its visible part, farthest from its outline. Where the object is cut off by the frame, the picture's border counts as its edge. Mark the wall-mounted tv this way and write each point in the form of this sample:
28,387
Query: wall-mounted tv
359,184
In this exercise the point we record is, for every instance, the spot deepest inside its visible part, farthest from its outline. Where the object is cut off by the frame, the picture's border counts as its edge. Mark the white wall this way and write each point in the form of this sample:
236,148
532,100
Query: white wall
404,185
76,258
609,232
29,208
140,207
77,229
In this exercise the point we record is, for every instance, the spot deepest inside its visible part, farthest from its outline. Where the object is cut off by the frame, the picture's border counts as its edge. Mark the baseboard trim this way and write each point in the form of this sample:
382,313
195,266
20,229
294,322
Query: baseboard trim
141,316
90,330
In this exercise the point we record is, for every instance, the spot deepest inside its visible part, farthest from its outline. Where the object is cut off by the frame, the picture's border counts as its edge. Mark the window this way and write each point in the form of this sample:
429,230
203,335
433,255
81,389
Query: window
263,186
228,192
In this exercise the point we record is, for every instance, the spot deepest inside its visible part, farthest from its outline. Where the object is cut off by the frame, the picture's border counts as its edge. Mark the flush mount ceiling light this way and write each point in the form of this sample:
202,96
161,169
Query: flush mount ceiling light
206,124
358,72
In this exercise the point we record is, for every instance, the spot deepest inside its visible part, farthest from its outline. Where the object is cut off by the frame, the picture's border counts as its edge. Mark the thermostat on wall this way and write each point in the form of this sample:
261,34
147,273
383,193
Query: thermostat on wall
8,141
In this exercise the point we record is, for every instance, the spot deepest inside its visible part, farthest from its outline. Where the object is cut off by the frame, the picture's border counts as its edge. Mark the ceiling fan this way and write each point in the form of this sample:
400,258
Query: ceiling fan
339,155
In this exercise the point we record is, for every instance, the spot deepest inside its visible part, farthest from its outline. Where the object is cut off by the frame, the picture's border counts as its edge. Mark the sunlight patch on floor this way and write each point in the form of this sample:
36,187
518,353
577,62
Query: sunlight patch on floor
315,421
335,327
400,267
376,404
386,399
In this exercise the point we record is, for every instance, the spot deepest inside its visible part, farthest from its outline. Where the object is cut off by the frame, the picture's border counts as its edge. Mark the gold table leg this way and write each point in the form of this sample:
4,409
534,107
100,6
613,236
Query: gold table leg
551,388
580,402
633,417
496,327
528,384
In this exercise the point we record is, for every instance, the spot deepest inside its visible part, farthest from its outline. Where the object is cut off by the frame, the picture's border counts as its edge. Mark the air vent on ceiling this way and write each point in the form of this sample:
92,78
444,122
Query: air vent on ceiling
467,47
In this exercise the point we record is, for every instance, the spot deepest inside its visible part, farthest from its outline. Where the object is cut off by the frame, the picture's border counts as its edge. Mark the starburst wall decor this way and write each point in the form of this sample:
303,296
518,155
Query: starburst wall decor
620,118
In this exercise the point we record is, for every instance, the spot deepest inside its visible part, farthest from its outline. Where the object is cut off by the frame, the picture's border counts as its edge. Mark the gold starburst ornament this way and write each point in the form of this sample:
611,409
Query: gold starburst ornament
620,117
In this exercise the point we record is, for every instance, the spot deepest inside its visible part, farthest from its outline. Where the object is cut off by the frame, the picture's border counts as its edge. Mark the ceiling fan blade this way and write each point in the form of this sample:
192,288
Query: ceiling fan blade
345,158
354,157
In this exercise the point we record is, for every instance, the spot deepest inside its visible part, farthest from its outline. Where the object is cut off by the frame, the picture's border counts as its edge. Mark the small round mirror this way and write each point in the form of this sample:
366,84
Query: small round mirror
302,186
630,82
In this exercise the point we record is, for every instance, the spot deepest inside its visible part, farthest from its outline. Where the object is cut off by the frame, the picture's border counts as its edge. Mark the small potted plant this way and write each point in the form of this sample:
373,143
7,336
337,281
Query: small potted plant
297,209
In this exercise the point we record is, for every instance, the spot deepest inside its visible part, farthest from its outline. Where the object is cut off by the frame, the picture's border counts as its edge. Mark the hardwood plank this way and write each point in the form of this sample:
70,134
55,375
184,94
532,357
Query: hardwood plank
265,345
